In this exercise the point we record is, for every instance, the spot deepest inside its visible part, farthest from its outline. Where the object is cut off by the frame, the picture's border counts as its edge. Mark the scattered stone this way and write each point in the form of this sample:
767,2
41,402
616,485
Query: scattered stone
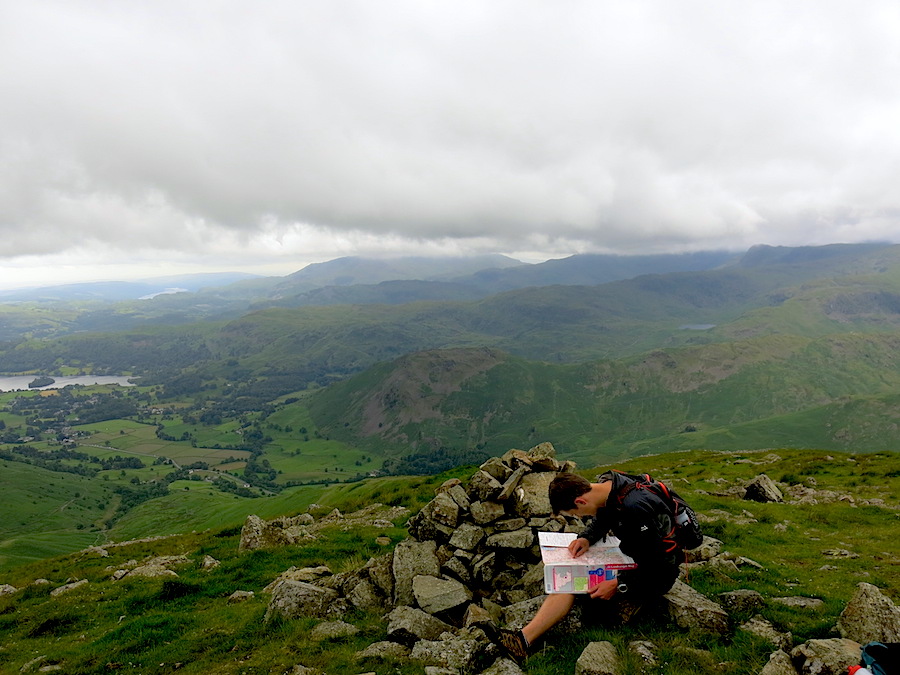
486,512
293,599
800,602
645,650
763,628
408,624
333,630
763,489
410,559
502,666
779,664
68,587
241,596
459,653
707,550
209,563
692,610
825,657
384,651
741,600
870,616
308,575
839,553
303,670
435,595
598,658
467,536
7,589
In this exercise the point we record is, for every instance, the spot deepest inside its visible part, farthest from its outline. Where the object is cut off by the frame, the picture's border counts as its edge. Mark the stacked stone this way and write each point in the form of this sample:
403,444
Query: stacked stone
485,533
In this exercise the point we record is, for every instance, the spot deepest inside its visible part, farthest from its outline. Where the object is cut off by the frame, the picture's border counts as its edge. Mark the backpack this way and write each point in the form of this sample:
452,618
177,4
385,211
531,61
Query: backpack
881,658
685,533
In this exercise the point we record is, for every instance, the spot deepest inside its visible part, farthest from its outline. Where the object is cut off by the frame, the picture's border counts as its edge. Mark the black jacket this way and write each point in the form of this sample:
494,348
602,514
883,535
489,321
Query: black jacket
641,519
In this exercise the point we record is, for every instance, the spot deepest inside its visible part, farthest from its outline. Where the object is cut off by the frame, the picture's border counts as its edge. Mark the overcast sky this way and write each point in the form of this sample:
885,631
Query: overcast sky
144,138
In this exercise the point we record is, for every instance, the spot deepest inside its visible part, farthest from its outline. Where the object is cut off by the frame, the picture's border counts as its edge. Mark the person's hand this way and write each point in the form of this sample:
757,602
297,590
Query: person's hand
579,547
604,590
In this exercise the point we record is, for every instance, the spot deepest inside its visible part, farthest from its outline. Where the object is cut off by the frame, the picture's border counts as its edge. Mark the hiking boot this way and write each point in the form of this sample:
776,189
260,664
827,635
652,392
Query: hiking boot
514,644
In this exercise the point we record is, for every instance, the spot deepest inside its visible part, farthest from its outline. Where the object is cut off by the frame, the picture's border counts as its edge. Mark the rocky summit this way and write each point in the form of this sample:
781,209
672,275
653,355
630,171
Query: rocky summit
472,564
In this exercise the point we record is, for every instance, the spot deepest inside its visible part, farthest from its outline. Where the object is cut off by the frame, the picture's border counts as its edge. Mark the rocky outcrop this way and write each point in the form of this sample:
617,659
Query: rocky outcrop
694,611
295,599
598,658
825,657
763,489
70,586
870,616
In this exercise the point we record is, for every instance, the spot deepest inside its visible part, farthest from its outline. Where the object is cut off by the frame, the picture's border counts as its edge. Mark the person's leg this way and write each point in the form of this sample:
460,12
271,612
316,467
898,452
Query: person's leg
551,612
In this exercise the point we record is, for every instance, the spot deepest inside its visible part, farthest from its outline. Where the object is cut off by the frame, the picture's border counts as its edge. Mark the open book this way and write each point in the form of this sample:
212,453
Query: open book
565,574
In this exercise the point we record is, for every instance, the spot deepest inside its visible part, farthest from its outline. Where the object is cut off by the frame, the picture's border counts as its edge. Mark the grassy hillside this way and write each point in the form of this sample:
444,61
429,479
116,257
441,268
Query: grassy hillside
157,626
833,392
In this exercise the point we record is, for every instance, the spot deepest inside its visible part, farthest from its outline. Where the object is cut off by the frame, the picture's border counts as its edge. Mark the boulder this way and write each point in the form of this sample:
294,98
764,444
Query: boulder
6,589
461,654
825,657
65,588
295,599
467,536
241,596
741,600
870,616
779,664
707,550
763,489
516,539
511,484
645,651
364,595
502,666
209,563
800,602
333,630
256,534
598,658
761,627
410,559
408,625
532,499
381,573
516,615
483,487
692,610
308,575
484,512
496,468
391,652
435,595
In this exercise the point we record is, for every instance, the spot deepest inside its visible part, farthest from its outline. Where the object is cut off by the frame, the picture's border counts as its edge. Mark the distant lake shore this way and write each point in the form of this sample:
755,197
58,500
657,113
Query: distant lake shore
20,382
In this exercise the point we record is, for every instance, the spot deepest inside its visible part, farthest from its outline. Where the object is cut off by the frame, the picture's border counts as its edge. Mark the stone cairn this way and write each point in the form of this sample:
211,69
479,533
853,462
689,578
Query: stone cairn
472,559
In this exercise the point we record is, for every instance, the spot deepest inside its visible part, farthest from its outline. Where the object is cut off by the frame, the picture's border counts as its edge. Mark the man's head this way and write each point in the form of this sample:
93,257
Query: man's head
565,490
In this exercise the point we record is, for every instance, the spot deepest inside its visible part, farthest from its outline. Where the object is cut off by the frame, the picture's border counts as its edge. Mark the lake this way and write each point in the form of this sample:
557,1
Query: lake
17,382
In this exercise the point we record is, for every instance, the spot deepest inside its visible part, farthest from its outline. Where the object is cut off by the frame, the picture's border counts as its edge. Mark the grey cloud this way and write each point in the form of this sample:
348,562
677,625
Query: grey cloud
608,126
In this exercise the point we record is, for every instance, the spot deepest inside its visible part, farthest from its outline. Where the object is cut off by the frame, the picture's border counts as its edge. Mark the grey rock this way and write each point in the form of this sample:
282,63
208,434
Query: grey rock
457,569
458,494
476,616
761,627
304,670
333,630
692,610
503,666
483,487
800,602
532,499
459,653
484,512
467,536
381,574
443,509
408,624
390,652
741,600
870,616
209,563
598,658
515,616
435,595
779,664
645,650
7,589
543,458
410,559
825,657
65,588
294,599
308,575
517,539
364,595
484,568
241,596
511,483
763,489
496,468
509,524
708,550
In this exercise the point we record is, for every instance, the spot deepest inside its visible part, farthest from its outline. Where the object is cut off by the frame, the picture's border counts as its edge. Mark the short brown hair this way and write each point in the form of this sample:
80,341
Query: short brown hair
565,489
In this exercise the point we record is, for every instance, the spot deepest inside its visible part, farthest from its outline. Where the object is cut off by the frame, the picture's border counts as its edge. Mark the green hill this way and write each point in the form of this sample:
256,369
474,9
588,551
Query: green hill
187,623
